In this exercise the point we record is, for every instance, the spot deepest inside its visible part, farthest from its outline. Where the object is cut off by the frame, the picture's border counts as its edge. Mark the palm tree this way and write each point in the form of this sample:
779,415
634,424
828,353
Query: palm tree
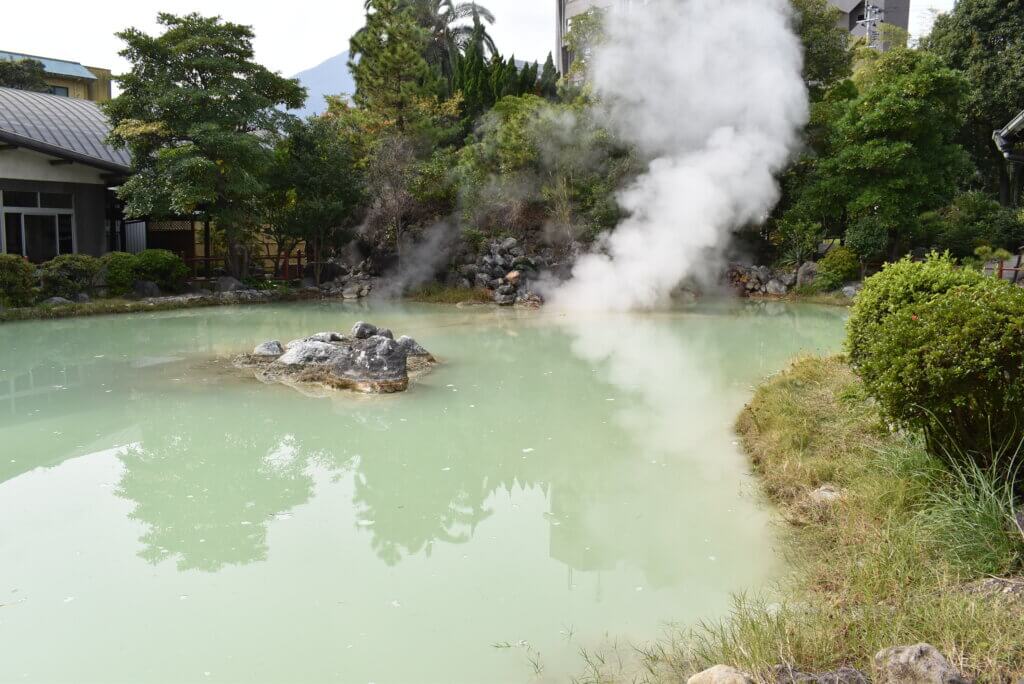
446,22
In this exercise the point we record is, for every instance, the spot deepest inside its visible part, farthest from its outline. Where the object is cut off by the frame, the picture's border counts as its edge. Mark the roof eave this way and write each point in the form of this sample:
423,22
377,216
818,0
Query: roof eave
61,153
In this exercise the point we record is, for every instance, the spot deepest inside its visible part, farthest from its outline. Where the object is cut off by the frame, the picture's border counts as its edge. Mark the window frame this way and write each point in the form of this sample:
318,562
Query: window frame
37,211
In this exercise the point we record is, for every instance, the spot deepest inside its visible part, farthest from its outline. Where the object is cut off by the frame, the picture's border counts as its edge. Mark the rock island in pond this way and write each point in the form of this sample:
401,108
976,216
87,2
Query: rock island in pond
369,359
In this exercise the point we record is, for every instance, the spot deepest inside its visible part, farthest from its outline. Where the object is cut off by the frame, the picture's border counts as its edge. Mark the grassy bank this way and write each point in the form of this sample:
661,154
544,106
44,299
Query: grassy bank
440,294
895,559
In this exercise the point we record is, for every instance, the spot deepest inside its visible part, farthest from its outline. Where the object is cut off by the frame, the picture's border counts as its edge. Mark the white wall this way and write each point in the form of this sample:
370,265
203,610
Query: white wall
21,164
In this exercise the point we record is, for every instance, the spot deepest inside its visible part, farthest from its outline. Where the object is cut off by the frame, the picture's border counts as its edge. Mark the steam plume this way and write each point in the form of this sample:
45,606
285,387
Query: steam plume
712,92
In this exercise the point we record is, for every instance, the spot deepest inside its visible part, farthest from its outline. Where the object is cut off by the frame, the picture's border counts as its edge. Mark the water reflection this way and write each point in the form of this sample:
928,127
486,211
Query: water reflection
616,422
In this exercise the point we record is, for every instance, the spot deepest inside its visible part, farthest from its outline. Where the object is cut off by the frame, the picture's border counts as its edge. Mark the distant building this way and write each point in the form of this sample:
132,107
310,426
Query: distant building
854,15
70,79
56,175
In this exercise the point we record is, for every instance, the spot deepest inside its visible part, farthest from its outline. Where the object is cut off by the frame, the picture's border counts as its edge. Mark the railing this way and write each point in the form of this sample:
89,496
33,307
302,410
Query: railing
283,268
1004,272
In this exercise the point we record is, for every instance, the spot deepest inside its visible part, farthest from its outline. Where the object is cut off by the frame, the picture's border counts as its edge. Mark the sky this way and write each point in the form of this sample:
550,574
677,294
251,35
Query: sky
290,37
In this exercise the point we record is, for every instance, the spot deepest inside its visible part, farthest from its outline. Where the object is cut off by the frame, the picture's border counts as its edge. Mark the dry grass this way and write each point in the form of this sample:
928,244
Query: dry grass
439,294
871,570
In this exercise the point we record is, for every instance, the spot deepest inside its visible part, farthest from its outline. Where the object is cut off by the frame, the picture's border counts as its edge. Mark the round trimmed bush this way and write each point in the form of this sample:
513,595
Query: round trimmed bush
17,280
119,268
68,274
951,366
838,267
897,286
164,268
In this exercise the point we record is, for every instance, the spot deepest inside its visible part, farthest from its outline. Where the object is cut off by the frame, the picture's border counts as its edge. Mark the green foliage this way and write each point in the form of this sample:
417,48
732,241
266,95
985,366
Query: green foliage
386,60
548,84
827,57
799,240
972,221
585,35
17,280
316,184
120,272
164,268
536,165
884,157
944,357
68,274
898,286
443,20
984,39
23,74
840,265
194,111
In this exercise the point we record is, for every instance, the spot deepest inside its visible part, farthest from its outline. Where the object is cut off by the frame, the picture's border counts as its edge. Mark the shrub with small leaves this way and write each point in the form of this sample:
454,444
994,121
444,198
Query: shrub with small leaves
951,365
17,280
164,268
68,274
837,267
897,286
119,271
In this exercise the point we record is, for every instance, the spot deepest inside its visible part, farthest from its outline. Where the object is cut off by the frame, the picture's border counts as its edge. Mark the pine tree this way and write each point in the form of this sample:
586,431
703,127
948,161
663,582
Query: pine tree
387,63
528,79
549,79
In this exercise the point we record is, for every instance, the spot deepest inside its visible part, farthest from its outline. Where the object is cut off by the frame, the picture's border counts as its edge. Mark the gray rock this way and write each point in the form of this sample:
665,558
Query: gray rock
852,290
145,288
919,664
227,284
469,270
351,292
509,243
411,346
775,287
326,337
807,272
720,674
363,330
482,280
269,348
384,332
788,279
825,495
57,301
309,352
81,298
504,299
308,283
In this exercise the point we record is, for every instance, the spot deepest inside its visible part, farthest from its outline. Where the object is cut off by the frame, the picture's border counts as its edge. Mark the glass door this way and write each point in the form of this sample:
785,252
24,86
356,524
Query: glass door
40,237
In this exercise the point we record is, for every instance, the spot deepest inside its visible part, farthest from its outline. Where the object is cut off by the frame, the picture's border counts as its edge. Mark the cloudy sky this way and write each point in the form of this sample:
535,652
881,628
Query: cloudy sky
290,37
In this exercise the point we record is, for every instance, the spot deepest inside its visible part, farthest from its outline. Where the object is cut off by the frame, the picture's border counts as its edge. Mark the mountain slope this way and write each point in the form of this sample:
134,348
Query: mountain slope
332,77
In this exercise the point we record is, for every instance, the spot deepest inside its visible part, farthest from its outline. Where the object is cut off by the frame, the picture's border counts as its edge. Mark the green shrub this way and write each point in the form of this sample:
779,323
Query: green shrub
68,274
950,366
839,266
897,286
17,278
120,272
164,268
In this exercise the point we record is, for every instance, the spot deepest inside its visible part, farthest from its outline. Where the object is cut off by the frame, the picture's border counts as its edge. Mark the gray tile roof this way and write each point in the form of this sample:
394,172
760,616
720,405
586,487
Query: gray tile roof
57,67
60,126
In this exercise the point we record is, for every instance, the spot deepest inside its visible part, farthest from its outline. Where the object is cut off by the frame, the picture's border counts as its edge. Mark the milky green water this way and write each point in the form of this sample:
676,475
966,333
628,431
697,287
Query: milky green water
555,484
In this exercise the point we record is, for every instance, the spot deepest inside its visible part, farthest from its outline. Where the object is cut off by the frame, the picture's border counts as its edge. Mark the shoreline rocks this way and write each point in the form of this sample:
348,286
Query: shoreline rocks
505,270
368,360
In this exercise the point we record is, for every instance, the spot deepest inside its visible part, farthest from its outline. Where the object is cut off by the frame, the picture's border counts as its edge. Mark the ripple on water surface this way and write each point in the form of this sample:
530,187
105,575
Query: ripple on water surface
555,481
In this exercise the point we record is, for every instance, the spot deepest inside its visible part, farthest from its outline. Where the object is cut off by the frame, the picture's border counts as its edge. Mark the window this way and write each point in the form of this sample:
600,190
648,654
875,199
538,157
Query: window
56,200
12,233
13,198
65,238
59,90
40,237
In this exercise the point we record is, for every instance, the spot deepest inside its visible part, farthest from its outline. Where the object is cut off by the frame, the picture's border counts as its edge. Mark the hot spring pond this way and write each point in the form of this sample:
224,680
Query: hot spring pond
555,484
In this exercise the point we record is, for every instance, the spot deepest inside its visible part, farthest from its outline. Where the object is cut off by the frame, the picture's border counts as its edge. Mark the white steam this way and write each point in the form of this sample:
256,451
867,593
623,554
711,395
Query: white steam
712,92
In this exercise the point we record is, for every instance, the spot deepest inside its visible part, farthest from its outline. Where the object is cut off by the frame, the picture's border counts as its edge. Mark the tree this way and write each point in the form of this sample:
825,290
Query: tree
585,35
392,77
827,57
972,221
23,74
549,79
315,186
448,34
984,39
194,112
887,155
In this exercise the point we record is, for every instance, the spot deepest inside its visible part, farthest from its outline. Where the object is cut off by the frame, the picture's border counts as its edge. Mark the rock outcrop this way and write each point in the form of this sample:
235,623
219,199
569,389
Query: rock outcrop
918,664
368,360
504,269
720,674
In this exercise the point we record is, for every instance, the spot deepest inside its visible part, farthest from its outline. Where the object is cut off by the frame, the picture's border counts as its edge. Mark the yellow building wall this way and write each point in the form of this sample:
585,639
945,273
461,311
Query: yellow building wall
76,88
81,89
